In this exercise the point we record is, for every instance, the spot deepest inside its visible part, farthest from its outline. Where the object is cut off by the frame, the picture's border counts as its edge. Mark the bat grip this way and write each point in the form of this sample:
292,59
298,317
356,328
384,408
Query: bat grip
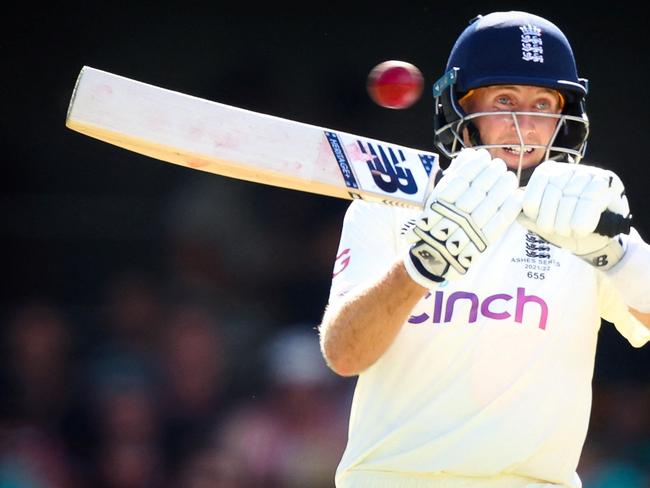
611,224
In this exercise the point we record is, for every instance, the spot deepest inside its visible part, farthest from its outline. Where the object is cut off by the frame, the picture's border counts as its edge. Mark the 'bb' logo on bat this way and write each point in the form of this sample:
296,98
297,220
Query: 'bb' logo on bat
384,165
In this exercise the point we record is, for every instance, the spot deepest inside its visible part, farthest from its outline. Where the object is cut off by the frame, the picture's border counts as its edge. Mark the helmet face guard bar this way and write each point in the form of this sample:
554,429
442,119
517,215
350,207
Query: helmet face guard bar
454,133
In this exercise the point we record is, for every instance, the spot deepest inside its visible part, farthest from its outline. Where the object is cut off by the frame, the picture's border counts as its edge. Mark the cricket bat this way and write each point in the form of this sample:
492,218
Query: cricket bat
237,143
234,142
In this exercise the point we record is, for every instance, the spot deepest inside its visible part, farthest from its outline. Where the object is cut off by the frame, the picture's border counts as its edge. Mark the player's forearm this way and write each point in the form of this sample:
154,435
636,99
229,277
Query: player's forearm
356,331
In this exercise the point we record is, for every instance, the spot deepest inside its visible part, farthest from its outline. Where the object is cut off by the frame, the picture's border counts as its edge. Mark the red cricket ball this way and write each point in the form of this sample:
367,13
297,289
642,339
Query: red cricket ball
395,84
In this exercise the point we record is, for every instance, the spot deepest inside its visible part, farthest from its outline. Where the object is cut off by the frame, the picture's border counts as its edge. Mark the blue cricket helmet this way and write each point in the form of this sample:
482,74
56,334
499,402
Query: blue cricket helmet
516,48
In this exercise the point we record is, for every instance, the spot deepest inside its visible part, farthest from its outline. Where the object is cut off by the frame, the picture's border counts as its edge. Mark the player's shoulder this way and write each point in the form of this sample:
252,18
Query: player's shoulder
378,209
369,214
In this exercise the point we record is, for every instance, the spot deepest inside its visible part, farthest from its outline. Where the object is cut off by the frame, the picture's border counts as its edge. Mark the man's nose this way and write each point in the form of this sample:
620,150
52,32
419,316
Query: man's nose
525,122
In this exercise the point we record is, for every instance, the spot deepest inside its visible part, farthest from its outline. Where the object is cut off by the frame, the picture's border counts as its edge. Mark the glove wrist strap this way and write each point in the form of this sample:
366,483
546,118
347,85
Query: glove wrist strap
419,274
606,257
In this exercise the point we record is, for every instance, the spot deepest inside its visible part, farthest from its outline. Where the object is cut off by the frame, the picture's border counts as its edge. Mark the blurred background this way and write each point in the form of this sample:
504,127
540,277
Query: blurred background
158,323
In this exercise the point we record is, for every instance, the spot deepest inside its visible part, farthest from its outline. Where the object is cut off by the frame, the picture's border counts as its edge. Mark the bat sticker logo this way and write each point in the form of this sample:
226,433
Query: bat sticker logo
381,172
384,166
341,159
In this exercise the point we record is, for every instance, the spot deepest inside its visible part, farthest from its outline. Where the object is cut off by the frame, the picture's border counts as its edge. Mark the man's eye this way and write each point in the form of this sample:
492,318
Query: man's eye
543,105
503,100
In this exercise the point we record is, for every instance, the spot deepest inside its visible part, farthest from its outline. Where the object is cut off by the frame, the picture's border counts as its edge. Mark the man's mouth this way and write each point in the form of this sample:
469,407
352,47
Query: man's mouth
517,150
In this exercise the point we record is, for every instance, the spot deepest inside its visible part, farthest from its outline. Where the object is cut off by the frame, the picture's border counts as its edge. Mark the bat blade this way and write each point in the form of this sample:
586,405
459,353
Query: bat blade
234,142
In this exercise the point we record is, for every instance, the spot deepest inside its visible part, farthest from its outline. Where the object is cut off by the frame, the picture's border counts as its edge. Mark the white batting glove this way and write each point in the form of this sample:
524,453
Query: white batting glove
563,204
471,207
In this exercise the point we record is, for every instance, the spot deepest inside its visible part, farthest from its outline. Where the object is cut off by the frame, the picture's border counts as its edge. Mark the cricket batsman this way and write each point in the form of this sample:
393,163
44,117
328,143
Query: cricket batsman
472,325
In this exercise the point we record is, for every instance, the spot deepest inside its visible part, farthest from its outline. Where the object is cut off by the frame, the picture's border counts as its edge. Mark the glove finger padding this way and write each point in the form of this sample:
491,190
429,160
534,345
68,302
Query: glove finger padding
568,199
497,195
506,215
565,210
461,172
469,163
563,204
472,206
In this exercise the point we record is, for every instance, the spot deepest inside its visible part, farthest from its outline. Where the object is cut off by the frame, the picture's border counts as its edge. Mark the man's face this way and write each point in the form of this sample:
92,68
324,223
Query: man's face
501,129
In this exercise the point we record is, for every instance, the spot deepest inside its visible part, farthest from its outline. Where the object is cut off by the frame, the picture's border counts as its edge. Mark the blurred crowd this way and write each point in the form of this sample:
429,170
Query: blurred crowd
209,374
162,400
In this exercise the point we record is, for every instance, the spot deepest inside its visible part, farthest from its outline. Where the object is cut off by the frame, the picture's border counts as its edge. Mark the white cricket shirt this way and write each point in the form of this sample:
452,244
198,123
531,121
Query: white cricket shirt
491,375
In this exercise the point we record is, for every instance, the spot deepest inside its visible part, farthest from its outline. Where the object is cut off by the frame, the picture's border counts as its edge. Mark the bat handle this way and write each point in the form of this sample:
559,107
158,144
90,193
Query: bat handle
611,224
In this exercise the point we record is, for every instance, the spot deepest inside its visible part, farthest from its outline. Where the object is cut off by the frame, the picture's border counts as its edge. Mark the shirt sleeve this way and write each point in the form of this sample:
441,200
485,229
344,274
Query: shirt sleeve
368,245
613,309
